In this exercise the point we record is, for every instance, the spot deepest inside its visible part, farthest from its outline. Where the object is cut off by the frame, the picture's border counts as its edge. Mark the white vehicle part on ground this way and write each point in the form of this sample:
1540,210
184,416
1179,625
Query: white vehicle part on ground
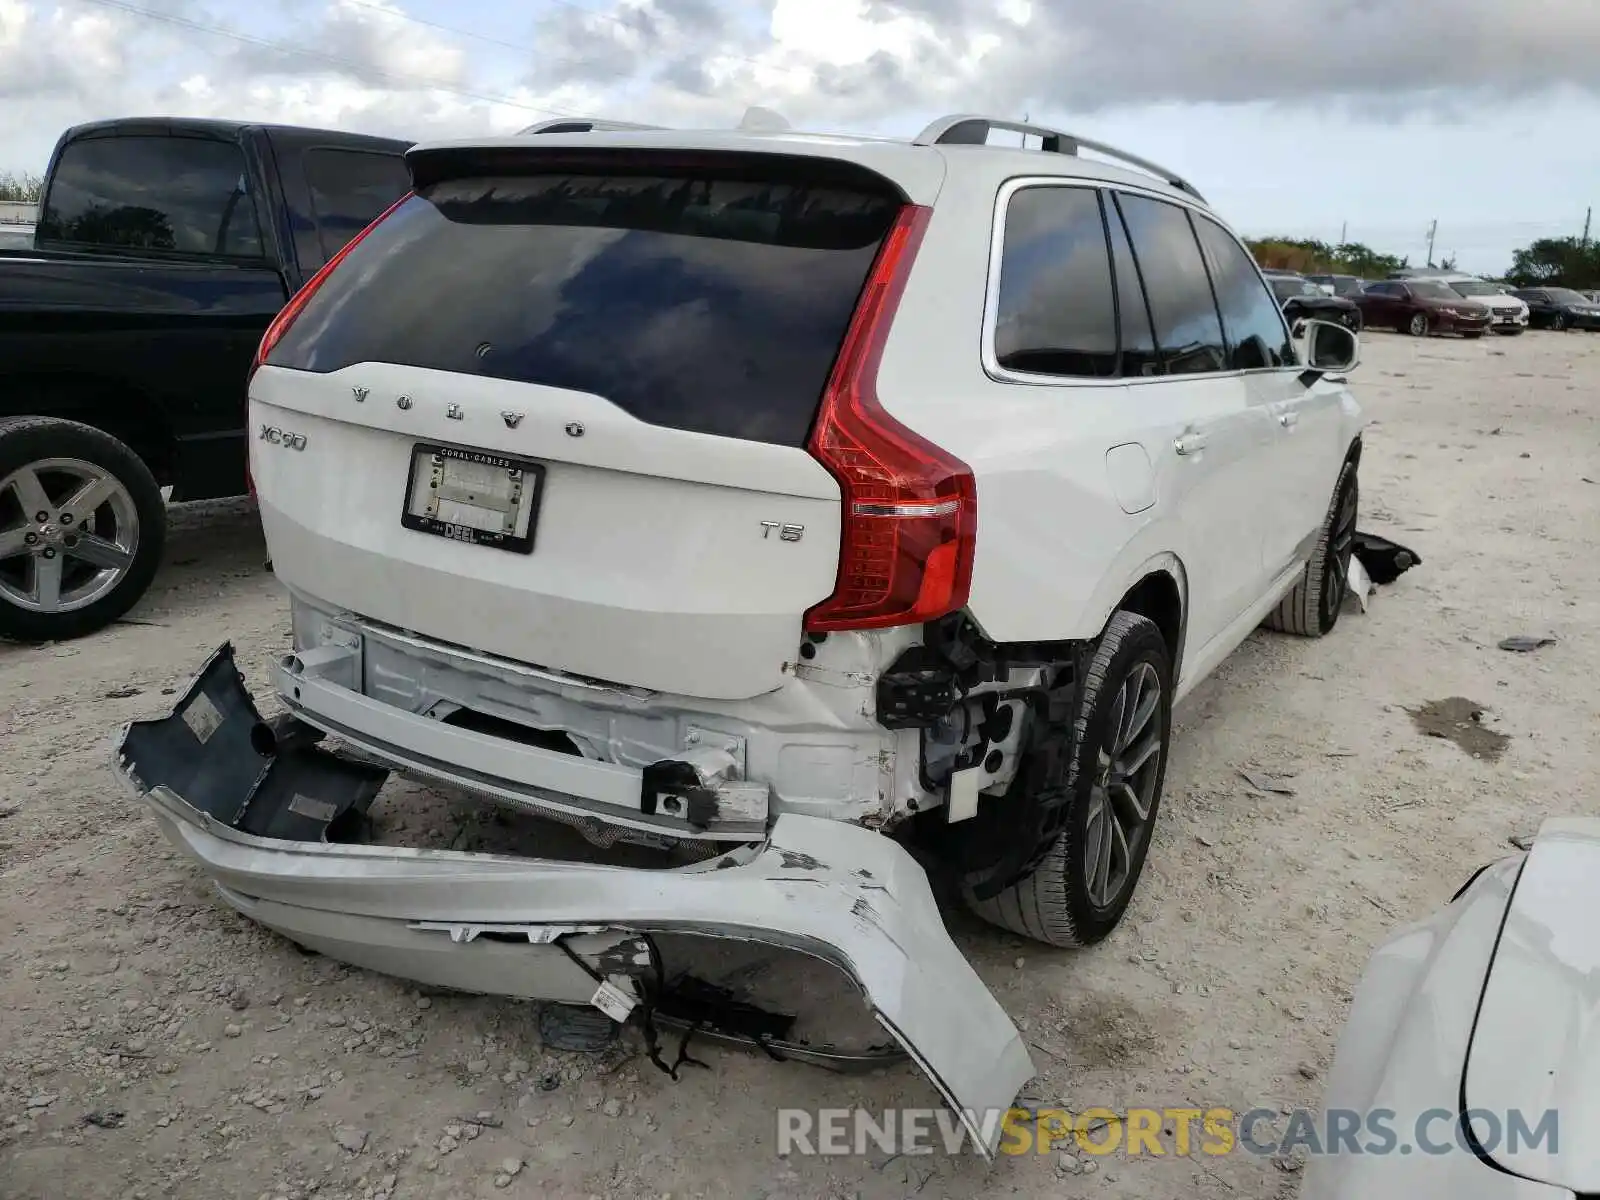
833,890
1535,1045
1403,1049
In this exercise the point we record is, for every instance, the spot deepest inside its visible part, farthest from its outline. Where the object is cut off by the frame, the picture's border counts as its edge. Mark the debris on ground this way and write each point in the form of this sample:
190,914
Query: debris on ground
576,1027
1526,643
1271,784
1522,841
107,1119
1385,561
1359,583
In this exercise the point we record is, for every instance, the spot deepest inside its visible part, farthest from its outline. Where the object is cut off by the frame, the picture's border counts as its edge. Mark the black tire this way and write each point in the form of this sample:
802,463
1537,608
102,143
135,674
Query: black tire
1559,322
1417,325
1053,904
28,440
1311,608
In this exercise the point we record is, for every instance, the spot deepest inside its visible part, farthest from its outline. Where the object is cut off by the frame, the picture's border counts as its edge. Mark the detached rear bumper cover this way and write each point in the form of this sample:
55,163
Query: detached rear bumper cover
256,819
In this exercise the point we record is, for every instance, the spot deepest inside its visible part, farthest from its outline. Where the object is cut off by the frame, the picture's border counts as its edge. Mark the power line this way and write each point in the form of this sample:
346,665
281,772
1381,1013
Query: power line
523,47
351,64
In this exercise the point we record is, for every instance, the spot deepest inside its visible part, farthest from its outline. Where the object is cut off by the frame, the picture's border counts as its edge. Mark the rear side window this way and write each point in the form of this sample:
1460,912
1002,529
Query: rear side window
1251,319
1056,313
695,301
183,194
1139,356
1188,329
349,190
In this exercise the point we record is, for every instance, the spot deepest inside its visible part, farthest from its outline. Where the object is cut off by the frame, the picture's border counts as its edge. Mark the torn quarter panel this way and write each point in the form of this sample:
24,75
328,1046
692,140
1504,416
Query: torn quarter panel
265,819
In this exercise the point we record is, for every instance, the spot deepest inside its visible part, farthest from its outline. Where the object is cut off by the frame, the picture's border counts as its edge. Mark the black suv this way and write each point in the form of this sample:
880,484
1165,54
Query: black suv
1303,300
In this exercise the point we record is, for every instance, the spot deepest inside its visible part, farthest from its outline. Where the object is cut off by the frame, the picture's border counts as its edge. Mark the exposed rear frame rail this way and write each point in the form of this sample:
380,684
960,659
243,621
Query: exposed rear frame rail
973,129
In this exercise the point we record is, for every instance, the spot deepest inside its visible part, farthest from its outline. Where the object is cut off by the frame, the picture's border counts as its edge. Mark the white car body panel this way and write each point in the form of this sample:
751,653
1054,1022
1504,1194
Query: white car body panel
649,569
1486,1006
1537,1043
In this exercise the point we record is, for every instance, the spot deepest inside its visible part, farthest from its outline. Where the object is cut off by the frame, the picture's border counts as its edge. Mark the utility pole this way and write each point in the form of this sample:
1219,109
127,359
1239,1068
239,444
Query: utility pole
1432,229
1587,213
1344,228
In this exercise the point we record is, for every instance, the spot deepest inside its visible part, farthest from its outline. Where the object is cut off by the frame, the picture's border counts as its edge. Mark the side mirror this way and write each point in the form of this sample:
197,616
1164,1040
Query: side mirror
1331,348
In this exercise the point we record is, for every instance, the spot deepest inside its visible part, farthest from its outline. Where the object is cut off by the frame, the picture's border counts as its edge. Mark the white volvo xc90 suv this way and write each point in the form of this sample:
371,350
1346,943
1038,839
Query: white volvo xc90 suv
783,504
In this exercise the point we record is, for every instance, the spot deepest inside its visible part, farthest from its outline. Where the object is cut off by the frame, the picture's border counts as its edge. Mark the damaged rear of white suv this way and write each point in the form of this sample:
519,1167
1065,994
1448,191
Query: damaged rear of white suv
633,479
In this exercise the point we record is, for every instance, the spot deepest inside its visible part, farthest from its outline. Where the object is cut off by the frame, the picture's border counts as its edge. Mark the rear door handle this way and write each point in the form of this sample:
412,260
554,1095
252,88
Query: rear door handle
1189,443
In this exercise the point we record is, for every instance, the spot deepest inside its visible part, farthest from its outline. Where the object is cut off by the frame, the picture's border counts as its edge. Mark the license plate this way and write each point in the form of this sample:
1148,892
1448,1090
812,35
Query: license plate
473,496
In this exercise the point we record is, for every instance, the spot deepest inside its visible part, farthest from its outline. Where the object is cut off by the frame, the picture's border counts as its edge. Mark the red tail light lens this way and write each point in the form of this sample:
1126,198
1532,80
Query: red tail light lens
910,509
287,314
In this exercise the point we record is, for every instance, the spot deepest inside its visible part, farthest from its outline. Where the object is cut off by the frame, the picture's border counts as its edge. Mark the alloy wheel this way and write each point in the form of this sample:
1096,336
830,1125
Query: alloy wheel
69,532
1341,546
1128,769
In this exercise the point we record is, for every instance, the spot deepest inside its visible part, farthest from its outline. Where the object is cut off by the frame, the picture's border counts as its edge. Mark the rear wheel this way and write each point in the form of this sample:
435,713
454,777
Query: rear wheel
1312,606
1417,325
1080,889
1559,322
81,528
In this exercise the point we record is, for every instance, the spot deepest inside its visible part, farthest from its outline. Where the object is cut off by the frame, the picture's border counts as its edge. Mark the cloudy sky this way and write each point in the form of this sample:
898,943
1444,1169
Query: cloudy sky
1378,115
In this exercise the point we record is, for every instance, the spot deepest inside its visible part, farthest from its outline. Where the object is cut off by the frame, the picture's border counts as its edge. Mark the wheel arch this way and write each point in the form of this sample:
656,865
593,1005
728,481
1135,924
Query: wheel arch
103,402
1161,593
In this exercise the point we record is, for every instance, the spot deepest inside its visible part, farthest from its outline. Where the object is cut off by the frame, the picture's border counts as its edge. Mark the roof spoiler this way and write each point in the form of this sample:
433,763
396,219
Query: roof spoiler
584,125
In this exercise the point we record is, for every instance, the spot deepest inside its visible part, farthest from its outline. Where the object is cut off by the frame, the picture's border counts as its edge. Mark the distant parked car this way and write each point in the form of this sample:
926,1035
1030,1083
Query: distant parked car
1349,286
1301,300
1559,308
1507,314
1422,306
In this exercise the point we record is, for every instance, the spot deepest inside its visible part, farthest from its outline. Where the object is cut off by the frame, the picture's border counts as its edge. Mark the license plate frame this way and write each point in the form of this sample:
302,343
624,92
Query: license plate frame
431,457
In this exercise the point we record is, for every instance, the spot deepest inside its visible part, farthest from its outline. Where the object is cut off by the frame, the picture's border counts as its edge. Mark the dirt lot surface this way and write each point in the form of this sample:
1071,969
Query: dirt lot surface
153,1043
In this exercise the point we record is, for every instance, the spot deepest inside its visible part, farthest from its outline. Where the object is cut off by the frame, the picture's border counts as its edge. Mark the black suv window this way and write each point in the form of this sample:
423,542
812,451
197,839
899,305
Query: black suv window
349,189
1251,319
1139,355
1188,328
712,301
1056,312
152,193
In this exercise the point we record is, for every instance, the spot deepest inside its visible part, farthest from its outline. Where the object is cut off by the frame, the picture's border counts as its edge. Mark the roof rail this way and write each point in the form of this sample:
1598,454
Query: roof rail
583,125
971,129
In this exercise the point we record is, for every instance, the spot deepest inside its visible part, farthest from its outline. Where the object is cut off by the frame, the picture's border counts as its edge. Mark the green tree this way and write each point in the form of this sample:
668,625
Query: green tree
1309,255
24,187
1556,262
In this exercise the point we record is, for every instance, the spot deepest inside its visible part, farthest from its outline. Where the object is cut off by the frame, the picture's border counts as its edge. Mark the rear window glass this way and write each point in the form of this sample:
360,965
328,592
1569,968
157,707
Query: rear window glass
183,194
708,304
349,188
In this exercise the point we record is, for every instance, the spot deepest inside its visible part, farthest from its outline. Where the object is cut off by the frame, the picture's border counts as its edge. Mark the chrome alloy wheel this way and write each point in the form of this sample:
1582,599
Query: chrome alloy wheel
1124,789
69,532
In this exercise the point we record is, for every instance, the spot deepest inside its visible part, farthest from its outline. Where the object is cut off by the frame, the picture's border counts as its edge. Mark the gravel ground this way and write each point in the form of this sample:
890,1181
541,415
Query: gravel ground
155,1044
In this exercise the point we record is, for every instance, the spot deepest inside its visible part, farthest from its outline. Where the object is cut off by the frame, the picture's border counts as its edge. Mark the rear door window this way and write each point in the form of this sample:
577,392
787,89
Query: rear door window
180,194
1056,313
1188,329
349,190
691,299
1139,355
1251,320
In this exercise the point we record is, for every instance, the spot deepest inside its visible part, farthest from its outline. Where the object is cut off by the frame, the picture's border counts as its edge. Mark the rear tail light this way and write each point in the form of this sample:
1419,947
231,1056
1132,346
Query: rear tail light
287,314
910,509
